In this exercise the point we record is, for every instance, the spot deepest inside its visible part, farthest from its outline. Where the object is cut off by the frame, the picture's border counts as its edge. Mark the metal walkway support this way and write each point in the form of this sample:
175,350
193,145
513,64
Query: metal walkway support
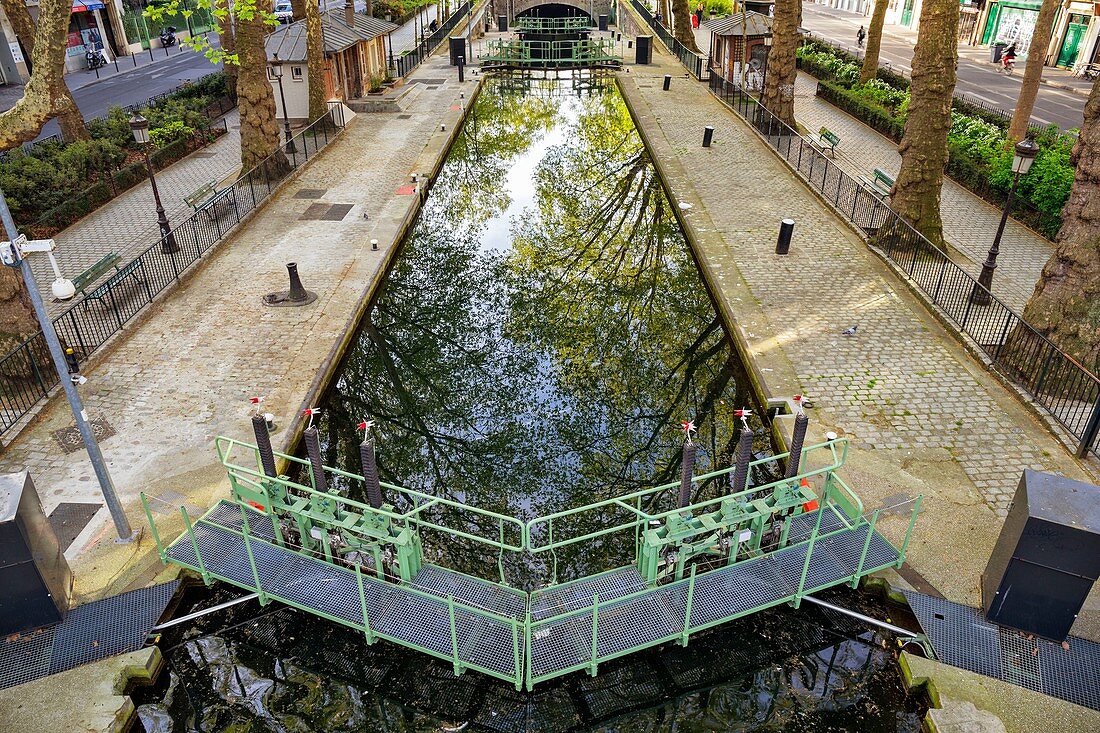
695,566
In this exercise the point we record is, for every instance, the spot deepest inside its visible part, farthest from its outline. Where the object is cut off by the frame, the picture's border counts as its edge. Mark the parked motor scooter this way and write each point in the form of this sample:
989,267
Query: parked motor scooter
167,36
95,58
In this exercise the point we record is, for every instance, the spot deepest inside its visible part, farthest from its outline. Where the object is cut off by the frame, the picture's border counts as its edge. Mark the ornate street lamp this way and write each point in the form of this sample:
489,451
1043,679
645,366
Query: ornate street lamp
277,72
768,41
1023,156
139,126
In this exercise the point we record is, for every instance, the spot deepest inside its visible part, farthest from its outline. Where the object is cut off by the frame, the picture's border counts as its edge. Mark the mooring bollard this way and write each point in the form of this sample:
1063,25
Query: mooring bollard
297,291
374,245
708,134
461,68
668,81
786,231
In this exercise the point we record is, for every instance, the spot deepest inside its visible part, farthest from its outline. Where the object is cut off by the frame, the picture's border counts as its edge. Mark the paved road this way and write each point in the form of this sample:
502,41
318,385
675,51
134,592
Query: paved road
129,85
977,77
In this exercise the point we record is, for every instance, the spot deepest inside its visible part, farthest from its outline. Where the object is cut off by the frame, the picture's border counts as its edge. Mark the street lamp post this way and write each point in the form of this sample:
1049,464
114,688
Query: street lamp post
14,255
140,127
277,72
1023,155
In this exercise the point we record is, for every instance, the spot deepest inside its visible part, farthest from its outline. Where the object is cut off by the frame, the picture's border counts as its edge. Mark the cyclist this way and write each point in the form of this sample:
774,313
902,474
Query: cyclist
860,35
1008,56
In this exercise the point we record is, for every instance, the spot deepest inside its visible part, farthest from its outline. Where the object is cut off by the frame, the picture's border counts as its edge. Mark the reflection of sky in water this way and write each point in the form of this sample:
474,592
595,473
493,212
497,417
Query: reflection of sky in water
512,363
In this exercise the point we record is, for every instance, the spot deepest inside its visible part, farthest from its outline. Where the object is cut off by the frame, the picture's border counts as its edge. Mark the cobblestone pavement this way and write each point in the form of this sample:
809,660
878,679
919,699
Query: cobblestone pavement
127,225
182,375
969,223
922,416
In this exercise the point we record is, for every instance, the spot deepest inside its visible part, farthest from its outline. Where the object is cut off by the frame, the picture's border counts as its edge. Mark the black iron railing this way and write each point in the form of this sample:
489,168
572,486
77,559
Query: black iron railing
1053,379
695,64
406,62
27,374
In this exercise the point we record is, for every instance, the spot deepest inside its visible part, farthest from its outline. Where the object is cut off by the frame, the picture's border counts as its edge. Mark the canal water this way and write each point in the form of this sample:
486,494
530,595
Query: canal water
542,334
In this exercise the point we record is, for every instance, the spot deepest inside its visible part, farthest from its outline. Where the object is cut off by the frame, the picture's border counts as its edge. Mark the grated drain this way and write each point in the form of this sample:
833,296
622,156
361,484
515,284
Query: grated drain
325,212
311,193
69,438
69,519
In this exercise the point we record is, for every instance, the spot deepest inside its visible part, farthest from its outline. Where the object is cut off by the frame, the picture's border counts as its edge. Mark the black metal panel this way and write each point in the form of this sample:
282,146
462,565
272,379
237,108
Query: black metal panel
1047,556
644,52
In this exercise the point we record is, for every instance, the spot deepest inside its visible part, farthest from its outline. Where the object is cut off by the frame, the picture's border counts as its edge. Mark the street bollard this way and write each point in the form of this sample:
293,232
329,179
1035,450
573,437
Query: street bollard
786,231
374,245
297,291
668,82
708,135
461,68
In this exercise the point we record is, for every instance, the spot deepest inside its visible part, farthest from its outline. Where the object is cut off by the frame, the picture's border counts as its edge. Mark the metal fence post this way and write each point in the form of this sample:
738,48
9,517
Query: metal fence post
1092,429
246,530
909,531
153,528
515,654
687,610
195,545
34,368
595,626
454,635
809,553
866,546
363,605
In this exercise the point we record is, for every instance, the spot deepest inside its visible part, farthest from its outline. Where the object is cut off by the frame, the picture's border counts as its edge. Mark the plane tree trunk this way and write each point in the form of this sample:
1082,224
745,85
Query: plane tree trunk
779,85
874,42
1033,72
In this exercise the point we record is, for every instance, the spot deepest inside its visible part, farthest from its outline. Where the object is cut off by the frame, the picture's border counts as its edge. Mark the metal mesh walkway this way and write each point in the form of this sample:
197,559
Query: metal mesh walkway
961,637
483,625
399,613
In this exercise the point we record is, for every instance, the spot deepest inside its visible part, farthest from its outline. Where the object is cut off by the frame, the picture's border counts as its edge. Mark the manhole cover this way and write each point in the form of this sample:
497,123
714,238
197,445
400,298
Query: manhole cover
313,212
337,212
69,519
404,117
311,193
69,438
433,87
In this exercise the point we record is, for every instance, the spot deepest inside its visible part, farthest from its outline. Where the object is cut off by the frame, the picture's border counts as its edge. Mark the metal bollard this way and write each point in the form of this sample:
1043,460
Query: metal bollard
297,291
461,69
786,231
374,245
668,82
708,134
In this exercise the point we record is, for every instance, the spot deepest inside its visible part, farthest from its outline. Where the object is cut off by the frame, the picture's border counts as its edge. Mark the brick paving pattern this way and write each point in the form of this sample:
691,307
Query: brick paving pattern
183,375
896,384
127,225
969,223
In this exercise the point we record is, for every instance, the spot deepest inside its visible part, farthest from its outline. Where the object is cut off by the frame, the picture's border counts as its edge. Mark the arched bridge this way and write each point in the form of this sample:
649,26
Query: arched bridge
561,8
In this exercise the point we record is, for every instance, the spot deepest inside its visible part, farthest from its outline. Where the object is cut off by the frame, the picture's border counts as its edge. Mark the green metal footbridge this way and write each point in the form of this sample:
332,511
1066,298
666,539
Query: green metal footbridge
695,564
551,54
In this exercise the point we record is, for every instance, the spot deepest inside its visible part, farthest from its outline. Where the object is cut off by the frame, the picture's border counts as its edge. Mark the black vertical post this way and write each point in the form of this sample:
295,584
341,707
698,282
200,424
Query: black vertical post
687,465
263,445
741,463
708,136
794,460
370,473
668,81
313,451
786,231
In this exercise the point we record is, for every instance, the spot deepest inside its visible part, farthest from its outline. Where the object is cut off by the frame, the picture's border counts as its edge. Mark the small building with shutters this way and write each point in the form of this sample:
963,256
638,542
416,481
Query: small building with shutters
731,36
355,58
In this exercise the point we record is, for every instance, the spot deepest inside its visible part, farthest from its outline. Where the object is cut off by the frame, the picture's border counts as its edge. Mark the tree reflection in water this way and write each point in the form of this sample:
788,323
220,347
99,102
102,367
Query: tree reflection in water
544,329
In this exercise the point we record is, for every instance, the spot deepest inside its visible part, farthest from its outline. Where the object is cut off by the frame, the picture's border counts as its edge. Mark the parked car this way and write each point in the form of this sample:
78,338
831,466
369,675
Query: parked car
283,11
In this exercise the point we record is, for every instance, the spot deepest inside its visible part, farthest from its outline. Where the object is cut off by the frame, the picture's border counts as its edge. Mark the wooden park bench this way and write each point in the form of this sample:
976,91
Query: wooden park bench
96,271
202,198
880,182
828,139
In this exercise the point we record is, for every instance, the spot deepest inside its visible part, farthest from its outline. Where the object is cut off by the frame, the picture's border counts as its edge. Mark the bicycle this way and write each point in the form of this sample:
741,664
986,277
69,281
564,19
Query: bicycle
1007,66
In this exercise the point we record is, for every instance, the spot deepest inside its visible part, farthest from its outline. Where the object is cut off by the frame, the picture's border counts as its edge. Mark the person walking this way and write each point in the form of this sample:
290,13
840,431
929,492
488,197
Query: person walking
860,35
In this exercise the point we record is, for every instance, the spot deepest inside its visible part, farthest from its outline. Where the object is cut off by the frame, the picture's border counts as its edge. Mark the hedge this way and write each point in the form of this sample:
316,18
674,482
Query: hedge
977,155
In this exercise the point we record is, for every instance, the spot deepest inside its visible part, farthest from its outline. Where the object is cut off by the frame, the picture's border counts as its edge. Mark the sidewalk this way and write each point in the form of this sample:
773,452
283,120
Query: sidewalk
183,374
969,222
828,20
922,415
127,225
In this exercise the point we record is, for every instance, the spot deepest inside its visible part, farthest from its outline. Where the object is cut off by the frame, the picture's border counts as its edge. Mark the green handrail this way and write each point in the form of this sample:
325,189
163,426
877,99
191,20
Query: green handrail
153,528
246,531
195,545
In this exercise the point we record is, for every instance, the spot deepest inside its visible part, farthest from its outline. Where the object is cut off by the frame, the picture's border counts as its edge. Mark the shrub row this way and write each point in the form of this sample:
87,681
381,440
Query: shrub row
53,184
978,157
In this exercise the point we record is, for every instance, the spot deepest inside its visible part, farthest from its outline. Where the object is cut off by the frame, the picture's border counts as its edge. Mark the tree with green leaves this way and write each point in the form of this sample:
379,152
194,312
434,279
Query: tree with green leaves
779,85
251,21
923,147
874,42
1065,306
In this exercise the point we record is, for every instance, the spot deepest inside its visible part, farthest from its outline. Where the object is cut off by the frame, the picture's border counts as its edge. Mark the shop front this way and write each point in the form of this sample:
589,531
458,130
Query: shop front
88,30
1074,38
1012,21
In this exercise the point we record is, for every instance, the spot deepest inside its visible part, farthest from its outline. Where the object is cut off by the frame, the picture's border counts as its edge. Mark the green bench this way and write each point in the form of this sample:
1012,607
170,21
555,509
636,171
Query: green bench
826,138
880,182
96,271
201,198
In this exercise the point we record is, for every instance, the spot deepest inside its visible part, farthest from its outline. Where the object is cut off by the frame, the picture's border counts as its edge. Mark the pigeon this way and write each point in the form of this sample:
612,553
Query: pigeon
850,331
